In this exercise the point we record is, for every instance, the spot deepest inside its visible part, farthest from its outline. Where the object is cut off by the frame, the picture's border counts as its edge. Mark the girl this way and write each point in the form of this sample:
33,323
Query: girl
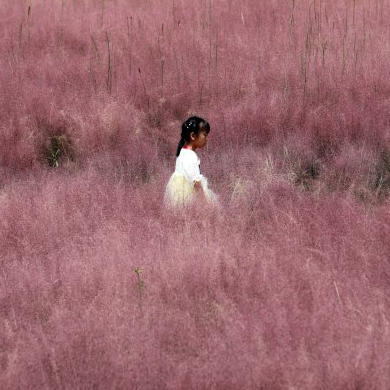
187,183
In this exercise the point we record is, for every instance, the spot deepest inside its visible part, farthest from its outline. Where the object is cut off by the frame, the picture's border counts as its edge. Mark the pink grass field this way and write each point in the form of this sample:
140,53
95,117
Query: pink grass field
286,287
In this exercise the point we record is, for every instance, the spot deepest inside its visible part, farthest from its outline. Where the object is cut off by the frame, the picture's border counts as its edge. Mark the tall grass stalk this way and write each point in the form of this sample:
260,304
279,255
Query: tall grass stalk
144,89
109,65
28,23
344,55
20,40
130,41
140,286
95,47
103,9
62,22
292,20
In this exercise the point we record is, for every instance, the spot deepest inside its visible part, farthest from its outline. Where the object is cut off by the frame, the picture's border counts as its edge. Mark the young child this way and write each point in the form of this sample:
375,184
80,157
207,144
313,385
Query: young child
187,183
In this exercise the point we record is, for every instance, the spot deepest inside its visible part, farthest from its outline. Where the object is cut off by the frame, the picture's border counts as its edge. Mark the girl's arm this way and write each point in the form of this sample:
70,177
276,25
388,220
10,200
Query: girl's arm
192,172
191,169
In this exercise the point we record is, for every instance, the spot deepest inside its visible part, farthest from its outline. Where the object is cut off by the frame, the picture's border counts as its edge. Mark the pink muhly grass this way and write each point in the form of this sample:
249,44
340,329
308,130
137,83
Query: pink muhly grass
218,314
286,287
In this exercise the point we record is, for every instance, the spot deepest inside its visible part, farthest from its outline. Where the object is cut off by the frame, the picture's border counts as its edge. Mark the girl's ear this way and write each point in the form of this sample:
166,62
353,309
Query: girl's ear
193,136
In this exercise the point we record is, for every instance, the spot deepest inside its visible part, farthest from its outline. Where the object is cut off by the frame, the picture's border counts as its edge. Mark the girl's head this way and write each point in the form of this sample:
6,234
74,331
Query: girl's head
194,133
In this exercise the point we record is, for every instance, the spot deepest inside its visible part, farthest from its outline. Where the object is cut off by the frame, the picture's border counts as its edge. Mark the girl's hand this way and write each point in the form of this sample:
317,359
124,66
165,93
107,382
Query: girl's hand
198,185
199,189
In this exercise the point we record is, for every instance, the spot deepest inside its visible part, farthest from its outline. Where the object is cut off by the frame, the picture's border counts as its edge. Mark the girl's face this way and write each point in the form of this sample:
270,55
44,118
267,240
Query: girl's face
199,140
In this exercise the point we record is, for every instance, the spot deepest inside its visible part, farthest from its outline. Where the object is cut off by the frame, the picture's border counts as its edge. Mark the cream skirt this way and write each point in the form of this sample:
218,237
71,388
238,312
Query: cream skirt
179,192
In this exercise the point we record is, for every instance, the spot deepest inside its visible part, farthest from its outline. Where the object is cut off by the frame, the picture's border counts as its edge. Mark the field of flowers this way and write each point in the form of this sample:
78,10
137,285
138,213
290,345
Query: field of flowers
286,286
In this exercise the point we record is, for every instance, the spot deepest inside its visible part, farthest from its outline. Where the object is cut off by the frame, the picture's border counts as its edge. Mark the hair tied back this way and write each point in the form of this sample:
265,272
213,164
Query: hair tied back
193,124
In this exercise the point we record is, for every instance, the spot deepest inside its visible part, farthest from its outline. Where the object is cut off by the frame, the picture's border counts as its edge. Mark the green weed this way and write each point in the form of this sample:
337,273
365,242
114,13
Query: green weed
57,147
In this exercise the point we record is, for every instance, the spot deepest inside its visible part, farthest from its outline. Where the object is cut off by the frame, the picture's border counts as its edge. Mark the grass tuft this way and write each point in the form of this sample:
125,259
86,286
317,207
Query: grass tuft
58,149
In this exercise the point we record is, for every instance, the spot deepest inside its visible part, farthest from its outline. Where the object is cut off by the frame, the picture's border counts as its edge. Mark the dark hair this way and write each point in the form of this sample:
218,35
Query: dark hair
195,125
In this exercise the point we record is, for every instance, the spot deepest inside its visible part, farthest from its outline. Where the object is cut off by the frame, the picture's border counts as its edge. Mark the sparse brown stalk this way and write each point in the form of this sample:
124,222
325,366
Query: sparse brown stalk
130,41
95,47
144,88
162,77
62,22
28,23
103,10
344,54
20,38
109,69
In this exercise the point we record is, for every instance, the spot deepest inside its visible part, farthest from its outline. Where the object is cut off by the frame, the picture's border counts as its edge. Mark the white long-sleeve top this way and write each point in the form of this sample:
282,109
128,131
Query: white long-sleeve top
188,165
